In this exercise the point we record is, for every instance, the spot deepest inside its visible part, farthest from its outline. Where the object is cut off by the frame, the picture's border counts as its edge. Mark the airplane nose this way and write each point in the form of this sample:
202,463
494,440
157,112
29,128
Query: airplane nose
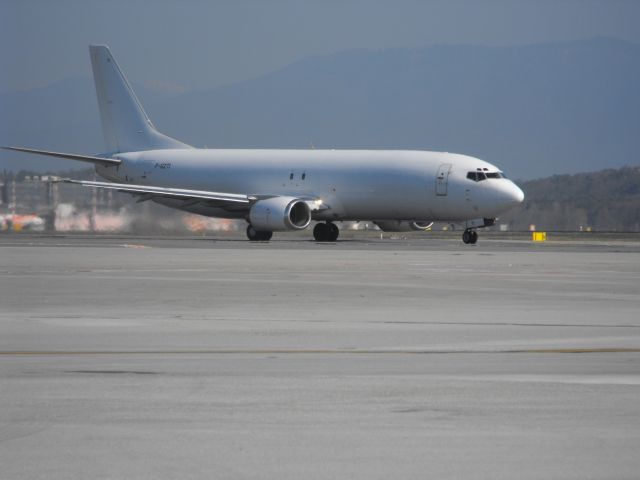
507,195
517,194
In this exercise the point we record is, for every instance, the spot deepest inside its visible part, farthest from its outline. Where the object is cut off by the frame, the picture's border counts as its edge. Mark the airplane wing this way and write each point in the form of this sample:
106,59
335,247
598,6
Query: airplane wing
70,156
228,201
146,192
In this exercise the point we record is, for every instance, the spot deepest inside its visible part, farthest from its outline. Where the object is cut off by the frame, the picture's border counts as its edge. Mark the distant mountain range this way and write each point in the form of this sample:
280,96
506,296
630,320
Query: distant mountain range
608,200
532,110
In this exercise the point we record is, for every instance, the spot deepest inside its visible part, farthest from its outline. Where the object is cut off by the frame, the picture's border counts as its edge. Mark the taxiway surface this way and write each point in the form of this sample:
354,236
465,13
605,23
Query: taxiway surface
125,357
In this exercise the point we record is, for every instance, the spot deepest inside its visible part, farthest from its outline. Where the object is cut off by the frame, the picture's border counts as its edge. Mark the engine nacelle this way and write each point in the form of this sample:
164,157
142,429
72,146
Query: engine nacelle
403,225
280,213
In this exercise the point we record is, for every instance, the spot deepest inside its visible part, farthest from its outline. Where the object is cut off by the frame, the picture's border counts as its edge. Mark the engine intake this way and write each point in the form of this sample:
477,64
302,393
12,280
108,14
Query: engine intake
403,225
280,213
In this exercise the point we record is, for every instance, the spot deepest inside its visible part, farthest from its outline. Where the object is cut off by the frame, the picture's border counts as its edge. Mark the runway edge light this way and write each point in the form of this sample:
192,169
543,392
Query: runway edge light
539,236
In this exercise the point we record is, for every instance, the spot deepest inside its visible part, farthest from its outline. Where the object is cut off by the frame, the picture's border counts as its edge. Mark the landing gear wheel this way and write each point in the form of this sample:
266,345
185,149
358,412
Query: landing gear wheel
321,232
326,232
470,237
334,232
256,236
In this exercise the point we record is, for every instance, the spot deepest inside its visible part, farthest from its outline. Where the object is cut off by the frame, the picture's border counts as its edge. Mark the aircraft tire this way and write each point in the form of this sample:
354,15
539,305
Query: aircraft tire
334,232
321,232
470,237
256,236
252,234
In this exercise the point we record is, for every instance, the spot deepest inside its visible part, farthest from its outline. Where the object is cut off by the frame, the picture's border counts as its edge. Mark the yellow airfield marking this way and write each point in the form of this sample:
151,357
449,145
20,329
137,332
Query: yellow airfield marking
312,351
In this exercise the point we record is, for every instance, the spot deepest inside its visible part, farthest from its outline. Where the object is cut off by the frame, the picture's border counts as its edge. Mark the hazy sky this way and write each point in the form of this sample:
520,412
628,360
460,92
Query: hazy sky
181,45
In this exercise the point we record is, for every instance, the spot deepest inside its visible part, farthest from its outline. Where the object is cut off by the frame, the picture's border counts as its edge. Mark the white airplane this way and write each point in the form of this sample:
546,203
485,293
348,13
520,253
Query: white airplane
280,190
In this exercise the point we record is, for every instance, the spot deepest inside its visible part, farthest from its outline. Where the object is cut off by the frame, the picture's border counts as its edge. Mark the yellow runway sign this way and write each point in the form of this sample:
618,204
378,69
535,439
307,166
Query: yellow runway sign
539,236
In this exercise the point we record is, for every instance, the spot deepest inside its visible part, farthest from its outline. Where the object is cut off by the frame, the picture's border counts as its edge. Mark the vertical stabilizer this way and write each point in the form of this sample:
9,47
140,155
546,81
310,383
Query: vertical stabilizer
125,124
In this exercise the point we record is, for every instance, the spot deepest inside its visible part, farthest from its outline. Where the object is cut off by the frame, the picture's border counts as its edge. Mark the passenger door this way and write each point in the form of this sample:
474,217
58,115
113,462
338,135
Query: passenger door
442,179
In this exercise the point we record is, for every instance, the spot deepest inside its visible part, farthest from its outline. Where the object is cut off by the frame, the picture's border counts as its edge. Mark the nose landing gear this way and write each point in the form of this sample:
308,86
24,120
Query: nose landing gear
470,237
326,232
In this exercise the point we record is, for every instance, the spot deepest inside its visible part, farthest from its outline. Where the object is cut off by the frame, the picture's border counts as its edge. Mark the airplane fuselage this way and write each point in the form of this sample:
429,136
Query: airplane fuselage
352,184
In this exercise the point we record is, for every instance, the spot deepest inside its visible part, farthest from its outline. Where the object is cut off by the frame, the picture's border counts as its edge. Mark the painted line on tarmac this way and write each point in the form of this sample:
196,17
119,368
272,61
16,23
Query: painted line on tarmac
79,245
275,351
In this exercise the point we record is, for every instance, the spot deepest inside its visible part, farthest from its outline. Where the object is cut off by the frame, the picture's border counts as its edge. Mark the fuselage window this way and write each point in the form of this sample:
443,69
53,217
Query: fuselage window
291,176
304,175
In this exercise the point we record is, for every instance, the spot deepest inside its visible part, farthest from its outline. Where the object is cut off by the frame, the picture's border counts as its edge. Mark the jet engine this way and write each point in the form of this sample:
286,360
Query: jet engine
403,225
280,213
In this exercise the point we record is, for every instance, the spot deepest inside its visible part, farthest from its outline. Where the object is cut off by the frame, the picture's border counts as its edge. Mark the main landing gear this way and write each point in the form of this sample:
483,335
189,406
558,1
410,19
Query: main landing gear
322,232
326,232
470,237
256,236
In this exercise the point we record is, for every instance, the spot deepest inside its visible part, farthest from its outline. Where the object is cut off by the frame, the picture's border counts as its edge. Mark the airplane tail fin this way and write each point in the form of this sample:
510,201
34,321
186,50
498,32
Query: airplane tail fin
125,124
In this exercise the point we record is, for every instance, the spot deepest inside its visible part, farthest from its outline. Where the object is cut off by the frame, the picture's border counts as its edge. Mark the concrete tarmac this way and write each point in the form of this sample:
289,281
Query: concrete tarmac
141,357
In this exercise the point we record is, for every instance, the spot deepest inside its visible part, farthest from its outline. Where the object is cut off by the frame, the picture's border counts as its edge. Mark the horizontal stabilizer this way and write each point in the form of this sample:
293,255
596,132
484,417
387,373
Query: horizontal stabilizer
69,156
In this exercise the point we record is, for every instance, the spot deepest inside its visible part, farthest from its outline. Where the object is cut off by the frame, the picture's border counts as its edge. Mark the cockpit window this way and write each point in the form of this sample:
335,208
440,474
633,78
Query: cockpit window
480,175
476,176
